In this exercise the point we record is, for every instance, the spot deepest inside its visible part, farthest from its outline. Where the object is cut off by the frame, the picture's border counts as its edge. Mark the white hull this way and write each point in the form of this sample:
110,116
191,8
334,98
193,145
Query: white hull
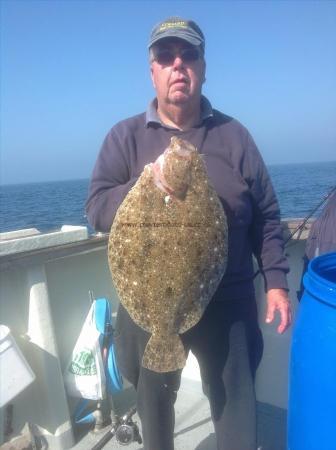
44,299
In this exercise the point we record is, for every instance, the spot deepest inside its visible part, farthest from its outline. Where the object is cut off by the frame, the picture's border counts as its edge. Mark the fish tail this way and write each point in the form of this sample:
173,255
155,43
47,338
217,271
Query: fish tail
164,353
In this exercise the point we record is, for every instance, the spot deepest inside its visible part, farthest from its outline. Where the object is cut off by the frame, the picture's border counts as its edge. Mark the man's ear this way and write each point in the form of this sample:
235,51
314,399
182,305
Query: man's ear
204,71
152,76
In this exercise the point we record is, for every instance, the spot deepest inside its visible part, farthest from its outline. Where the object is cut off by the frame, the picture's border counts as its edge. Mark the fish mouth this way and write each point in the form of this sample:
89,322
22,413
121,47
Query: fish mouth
183,149
180,153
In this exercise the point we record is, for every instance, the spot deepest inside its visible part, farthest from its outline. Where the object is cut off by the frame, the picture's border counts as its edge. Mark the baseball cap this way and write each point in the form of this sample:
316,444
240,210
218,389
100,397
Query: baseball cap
180,28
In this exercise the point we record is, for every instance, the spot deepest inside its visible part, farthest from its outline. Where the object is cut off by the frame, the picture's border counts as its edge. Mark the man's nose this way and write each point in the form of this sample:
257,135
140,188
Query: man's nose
178,62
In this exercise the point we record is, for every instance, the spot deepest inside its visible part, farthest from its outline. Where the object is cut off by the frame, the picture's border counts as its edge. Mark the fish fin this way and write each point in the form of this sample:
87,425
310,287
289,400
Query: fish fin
164,353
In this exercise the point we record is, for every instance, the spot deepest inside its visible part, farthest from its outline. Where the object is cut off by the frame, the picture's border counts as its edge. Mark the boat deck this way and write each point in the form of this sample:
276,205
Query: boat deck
194,429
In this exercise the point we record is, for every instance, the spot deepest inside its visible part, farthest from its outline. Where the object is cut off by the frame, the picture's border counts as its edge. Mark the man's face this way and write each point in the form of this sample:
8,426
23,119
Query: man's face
178,72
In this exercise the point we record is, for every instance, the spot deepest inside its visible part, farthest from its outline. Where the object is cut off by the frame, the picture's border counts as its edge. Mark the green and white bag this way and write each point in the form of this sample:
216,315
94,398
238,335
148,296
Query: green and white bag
84,375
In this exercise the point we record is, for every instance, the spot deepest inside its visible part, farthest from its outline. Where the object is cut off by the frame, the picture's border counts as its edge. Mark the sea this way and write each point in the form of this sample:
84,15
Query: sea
300,189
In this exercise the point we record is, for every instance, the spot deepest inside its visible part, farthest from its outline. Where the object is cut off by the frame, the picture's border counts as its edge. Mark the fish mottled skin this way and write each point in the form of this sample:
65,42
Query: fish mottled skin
167,254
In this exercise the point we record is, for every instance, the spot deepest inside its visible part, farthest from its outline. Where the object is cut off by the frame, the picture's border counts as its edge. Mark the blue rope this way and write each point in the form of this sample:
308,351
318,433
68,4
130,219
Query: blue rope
79,416
103,322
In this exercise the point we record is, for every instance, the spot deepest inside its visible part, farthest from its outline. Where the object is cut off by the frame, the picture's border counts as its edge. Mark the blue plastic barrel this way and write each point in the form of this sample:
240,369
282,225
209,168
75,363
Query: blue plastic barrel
312,377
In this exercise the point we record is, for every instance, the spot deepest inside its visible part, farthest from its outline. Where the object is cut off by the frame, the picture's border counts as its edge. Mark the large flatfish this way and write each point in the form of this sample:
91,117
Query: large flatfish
168,253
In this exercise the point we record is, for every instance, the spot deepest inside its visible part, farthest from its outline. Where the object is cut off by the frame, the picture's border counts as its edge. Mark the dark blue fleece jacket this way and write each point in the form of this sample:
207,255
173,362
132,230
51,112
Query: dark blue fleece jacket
237,172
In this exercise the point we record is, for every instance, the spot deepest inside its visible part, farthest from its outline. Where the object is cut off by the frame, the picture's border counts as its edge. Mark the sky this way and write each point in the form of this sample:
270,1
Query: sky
72,69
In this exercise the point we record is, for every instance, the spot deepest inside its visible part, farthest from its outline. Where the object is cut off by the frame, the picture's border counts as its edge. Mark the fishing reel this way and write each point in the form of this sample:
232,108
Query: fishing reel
127,431
124,429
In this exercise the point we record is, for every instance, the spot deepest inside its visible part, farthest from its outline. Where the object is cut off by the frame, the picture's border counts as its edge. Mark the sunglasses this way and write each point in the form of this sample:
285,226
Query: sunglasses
167,57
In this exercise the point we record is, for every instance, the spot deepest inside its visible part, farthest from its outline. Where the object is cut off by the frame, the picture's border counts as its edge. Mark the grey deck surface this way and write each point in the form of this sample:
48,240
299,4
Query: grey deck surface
194,428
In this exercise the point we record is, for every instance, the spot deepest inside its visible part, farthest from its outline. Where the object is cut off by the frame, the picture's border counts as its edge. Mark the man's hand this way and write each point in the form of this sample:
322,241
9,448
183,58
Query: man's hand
277,300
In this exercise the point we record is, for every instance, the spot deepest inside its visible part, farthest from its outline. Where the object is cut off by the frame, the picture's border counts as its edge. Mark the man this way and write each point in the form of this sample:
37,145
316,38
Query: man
227,339
322,235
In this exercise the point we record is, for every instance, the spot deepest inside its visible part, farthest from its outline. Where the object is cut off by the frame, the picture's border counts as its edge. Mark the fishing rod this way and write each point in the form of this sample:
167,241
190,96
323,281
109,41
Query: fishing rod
300,227
305,220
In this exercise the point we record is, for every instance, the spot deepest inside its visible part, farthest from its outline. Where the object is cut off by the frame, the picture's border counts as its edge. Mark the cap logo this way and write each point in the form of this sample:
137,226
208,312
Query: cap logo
167,25
178,28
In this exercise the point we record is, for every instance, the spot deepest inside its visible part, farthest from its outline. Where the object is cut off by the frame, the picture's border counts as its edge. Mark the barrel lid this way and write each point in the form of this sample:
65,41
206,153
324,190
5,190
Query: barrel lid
320,278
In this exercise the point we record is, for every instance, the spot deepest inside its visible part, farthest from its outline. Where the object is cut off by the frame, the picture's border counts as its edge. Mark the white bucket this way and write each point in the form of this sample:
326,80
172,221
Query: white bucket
15,372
